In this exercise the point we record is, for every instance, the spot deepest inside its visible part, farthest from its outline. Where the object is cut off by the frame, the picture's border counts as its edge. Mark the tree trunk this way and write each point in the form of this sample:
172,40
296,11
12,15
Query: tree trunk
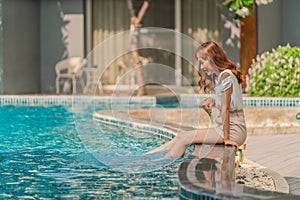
135,24
248,42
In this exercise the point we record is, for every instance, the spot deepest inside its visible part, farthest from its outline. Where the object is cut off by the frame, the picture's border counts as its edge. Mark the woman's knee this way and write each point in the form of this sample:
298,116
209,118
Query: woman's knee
185,138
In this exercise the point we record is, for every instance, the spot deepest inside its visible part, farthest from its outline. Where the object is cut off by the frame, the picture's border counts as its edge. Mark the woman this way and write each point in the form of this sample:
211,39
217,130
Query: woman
219,75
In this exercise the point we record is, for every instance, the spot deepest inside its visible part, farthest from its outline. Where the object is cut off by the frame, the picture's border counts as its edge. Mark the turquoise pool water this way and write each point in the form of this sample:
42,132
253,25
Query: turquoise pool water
42,156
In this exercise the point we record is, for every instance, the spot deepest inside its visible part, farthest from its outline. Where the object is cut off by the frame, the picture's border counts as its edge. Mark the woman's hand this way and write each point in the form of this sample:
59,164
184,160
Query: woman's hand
207,105
231,143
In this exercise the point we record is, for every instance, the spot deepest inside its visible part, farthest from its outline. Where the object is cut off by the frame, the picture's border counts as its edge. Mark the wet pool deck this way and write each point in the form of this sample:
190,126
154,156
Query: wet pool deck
265,145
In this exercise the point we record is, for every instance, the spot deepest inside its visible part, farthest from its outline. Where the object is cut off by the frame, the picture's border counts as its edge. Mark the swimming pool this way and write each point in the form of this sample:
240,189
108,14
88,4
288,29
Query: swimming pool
42,156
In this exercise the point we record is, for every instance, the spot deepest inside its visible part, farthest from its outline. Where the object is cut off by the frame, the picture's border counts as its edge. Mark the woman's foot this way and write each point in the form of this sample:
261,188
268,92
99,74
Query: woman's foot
118,154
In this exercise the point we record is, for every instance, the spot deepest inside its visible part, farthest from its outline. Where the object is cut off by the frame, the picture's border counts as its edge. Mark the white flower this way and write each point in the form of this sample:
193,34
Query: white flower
267,87
243,12
275,76
249,70
264,2
258,66
257,57
248,82
280,83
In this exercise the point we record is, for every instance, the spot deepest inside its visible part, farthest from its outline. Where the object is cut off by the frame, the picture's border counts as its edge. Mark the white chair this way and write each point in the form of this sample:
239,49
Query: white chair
67,71
91,75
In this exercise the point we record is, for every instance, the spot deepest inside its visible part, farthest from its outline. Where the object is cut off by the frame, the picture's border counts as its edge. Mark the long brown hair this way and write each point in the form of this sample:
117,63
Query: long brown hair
215,54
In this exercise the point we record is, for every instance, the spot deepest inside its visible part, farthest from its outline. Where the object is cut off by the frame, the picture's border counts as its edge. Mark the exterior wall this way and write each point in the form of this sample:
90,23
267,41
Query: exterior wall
62,36
230,29
269,26
1,50
21,46
277,24
291,18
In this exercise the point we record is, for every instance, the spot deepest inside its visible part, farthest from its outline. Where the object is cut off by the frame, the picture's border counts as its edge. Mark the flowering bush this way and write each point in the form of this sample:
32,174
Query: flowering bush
241,7
275,73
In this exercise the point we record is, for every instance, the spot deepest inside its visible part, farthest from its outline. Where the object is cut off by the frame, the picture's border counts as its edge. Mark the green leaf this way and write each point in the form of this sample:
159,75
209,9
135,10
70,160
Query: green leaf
247,3
236,5
226,2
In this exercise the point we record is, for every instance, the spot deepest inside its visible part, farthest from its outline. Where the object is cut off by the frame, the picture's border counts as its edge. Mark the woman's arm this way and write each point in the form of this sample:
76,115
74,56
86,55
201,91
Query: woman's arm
225,108
226,98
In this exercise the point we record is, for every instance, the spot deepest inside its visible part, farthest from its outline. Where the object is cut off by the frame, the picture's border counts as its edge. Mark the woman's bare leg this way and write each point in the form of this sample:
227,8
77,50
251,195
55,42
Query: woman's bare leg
184,139
160,148
177,146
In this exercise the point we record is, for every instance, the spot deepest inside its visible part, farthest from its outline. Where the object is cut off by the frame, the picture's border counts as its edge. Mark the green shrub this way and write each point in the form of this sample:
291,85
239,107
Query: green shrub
276,73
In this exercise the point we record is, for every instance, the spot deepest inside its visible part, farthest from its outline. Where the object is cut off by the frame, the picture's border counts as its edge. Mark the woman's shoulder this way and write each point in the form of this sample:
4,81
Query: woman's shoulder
224,74
226,71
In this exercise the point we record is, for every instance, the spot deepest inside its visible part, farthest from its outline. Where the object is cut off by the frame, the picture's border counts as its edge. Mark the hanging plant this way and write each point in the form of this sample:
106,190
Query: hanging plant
241,8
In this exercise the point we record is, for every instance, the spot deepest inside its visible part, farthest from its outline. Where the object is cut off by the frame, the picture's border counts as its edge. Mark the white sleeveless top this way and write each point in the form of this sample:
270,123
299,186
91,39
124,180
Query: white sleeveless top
236,102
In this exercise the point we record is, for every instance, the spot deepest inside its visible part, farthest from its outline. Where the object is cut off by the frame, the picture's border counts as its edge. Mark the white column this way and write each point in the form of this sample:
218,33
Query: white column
178,70
88,28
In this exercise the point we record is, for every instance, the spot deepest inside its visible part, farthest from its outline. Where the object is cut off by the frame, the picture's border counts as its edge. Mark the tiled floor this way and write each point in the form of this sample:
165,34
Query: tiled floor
280,153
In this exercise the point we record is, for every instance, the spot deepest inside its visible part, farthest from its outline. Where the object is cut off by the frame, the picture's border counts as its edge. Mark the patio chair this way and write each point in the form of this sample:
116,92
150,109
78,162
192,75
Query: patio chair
67,71
91,75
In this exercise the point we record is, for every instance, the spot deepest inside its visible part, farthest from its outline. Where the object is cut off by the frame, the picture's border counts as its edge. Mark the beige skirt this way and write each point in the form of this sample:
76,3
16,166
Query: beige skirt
237,126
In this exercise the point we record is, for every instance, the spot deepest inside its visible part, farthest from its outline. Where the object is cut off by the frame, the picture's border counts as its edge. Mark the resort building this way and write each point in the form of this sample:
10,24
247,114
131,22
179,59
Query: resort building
36,34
